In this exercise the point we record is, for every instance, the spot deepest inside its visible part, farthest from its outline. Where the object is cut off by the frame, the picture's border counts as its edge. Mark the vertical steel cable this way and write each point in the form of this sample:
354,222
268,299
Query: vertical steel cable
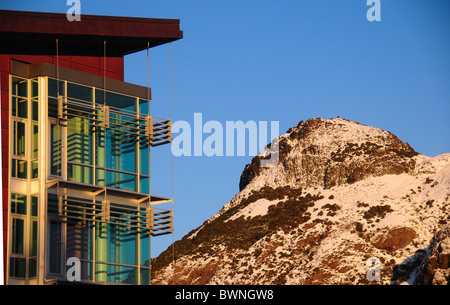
59,123
149,165
104,104
171,159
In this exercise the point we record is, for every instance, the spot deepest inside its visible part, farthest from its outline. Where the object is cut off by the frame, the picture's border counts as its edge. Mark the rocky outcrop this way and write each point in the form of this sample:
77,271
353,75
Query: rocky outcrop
394,239
335,152
342,194
250,172
429,266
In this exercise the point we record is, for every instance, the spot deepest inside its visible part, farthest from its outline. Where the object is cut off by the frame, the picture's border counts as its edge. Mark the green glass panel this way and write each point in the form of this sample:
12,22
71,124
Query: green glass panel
34,206
32,267
100,177
19,139
35,142
79,173
100,251
18,204
78,141
99,96
52,204
19,169
19,107
35,110
115,100
54,244
53,87
100,156
18,226
34,169
79,92
20,87
55,150
17,267
52,107
33,239
34,88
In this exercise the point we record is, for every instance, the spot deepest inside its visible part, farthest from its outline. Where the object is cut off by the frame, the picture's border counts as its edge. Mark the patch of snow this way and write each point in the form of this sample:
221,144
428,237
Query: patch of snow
257,208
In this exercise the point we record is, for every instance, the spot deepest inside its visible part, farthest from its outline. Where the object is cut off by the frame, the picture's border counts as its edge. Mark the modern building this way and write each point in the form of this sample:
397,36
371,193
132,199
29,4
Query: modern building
76,143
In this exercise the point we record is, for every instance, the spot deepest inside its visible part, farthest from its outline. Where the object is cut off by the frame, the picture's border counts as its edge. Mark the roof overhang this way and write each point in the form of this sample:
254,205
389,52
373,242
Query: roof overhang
36,33
42,69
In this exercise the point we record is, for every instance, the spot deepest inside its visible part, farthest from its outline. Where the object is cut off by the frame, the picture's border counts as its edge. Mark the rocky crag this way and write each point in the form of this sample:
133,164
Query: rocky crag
341,193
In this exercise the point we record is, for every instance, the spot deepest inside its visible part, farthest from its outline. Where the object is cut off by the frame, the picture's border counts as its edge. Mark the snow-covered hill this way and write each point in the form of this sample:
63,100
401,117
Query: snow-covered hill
342,193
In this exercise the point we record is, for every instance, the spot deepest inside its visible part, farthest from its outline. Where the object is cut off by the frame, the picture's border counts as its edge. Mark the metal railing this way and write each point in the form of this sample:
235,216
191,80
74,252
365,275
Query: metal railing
123,121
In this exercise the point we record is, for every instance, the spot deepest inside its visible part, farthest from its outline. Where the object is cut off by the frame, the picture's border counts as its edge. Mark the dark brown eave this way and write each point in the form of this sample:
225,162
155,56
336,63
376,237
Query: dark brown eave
36,33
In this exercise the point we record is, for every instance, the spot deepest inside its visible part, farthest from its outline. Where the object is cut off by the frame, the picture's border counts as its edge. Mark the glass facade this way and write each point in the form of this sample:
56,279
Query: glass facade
107,143
80,182
23,251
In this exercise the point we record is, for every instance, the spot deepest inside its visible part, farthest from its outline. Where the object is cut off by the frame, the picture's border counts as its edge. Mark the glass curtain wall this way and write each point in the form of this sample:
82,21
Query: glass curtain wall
112,246
23,204
97,138
107,147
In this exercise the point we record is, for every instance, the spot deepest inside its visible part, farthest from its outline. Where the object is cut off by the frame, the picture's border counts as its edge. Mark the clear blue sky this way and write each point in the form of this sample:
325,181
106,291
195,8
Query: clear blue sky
285,61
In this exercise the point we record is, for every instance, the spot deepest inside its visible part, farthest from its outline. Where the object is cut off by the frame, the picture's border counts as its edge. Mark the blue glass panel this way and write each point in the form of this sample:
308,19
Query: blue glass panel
145,187
145,248
120,151
144,158
122,274
121,243
144,106
121,181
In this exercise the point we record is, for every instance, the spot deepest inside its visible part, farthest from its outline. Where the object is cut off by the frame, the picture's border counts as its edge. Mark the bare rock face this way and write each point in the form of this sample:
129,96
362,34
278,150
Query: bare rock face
436,269
335,152
251,171
341,194
394,239
429,266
